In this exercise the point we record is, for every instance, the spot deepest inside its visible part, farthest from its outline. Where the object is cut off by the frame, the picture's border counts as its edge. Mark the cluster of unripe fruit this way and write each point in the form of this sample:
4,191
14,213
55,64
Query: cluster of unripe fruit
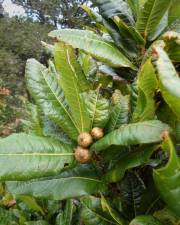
82,153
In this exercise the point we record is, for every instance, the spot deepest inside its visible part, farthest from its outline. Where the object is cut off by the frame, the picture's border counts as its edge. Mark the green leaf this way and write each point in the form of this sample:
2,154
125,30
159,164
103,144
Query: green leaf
119,114
108,209
73,82
49,96
31,203
172,41
163,24
145,220
119,39
35,119
174,12
130,34
141,3
7,217
134,4
81,180
97,107
132,134
169,81
93,44
39,222
151,15
175,26
110,8
134,95
65,218
167,179
128,161
147,85
66,61
92,213
52,130
24,157
131,189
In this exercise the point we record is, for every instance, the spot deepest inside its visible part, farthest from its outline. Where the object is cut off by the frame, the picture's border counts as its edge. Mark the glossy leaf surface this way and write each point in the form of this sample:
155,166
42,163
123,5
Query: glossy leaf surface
167,179
93,44
109,210
147,85
174,12
45,90
119,113
128,161
81,180
151,15
110,8
169,81
92,212
133,134
73,82
135,6
145,220
172,42
97,107
23,157
65,217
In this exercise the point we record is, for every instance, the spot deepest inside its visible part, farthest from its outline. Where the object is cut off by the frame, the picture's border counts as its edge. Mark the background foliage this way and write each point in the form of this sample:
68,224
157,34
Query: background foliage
20,39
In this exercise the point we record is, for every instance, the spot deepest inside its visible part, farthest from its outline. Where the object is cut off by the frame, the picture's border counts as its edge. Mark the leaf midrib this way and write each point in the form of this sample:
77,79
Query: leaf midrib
76,90
99,42
147,24
36,154
59,100
117,118
95,107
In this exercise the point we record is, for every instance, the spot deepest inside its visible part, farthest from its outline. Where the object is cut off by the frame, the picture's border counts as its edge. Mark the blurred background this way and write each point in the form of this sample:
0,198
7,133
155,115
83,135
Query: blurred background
23,25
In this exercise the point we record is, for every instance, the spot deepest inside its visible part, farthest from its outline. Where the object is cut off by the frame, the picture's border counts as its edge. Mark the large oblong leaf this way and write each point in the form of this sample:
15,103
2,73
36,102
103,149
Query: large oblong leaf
167,179
132,134
147,85
23,157
110,8
82,180
45,90
73,82
129,33
151,15
169,81
93,44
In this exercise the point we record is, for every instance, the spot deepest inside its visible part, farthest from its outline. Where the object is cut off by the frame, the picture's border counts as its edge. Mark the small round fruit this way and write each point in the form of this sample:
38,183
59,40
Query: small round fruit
97,133
82,155
85,139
